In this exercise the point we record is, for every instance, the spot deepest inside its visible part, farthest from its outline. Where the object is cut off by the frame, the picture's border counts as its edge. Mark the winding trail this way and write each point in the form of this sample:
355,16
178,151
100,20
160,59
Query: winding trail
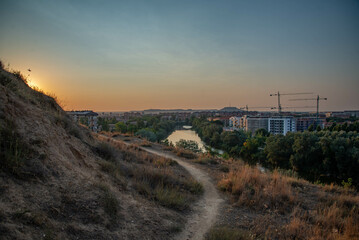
206,209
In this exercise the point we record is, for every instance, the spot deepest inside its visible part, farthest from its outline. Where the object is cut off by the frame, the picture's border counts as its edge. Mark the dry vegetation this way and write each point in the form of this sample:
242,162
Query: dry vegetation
157,178
58,181
284,207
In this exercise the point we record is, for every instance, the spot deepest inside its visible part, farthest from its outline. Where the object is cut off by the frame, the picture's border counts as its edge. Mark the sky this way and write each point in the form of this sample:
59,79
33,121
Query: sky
135,55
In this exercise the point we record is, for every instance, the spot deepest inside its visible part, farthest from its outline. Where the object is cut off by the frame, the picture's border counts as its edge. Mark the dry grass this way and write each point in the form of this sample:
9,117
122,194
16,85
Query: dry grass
258,190
227,233
331,220
152,176
185,153
206,160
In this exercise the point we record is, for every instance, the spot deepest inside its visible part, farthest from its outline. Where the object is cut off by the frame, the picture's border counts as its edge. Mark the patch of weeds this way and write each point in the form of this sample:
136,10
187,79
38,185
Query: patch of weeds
20,76
186,154
176,228
206,161
106,151
227,233
12,150
224,168
110,202
194,187
166,188
161,162
171,197
74,131
146,144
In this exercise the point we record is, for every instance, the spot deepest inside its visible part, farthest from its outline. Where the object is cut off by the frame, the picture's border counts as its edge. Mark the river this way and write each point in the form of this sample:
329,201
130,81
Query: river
186,134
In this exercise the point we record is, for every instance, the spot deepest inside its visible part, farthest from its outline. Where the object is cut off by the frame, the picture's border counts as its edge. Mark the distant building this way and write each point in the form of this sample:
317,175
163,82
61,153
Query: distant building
352,113
251,124
304,123
224,119
88,116
281,125
235,122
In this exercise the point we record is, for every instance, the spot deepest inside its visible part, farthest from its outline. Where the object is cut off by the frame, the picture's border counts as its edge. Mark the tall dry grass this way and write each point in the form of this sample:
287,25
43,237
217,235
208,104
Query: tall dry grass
252,188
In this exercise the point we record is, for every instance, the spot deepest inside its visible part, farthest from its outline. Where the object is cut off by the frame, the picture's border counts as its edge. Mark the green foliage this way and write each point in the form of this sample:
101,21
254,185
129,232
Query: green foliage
84,121
148,134
278,150
188,145
252,150
347,184
325,156
121,127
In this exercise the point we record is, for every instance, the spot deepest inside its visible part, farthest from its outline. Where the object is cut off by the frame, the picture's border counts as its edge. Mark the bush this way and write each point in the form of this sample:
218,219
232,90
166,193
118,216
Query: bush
110,202
106,151
12,150
257,190
185,154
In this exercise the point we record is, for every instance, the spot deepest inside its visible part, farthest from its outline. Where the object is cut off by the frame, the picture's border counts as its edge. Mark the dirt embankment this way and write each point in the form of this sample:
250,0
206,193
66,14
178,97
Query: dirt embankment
59,182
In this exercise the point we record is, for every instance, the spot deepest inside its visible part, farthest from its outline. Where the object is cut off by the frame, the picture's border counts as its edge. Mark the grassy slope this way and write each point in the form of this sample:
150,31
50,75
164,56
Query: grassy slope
57,181
274,205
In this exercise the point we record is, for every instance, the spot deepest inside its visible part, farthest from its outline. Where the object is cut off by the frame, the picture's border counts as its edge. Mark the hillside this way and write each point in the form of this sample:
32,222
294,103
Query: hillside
58,181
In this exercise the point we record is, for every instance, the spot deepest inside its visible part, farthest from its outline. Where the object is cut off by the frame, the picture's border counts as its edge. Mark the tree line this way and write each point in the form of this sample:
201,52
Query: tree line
330,155
153,128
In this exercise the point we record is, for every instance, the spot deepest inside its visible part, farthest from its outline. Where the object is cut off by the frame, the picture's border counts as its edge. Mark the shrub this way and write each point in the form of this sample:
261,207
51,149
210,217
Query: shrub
254,189
185,154
12,150
206,161
106,151
110,202
171,197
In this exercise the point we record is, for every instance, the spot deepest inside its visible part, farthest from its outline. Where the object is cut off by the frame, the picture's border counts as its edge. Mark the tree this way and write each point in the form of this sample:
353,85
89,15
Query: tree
189,145
278,150
307,156
252,150
148,134
121,127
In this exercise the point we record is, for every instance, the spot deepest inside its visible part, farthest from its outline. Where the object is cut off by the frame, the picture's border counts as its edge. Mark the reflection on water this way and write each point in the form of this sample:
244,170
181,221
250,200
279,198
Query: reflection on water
186,135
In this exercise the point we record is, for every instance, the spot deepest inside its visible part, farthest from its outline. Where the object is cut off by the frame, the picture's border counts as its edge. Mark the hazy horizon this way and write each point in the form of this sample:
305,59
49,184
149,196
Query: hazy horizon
136,55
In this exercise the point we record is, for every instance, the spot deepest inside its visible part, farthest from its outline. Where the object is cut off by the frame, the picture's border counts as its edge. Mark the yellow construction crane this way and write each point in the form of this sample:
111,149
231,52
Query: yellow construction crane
317,98
282,94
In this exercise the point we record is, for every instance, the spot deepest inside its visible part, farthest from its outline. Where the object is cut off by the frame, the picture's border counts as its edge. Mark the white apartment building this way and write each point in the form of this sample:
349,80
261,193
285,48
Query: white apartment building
235,122
281,125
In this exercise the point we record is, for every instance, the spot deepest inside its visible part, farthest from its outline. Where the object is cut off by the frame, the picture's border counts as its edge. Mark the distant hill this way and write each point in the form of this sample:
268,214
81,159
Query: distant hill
230,109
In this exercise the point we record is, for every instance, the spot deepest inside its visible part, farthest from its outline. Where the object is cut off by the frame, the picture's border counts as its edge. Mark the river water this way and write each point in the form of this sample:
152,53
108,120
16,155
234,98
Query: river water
186,134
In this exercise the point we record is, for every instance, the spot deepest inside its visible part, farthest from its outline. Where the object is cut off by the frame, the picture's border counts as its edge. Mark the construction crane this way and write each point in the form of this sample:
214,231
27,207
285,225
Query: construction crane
247,108
281,94
305,99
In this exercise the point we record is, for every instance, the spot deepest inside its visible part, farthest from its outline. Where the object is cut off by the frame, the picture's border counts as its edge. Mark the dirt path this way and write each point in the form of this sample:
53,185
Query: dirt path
206,209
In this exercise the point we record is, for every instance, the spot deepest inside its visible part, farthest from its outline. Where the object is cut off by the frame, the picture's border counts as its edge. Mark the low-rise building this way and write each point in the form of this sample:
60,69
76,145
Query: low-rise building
88,117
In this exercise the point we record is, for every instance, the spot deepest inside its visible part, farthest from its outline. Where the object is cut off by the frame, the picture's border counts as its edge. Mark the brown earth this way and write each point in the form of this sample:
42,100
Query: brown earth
54,183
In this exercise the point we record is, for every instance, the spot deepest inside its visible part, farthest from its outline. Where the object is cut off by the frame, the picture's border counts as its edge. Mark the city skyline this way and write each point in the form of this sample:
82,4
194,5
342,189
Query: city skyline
136,55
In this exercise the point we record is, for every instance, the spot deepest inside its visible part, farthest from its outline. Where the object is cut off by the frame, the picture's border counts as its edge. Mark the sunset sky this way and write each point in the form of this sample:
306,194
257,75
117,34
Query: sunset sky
134,55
